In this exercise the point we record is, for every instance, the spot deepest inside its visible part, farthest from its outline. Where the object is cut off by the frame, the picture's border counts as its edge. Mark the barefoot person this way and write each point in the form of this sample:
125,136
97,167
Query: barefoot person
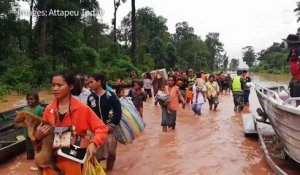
164,100
67,111
237,87
213,90
199,94
247,87
173,91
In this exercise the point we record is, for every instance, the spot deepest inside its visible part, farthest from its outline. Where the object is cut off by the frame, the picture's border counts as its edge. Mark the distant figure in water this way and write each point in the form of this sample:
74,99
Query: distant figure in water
247,87
237,87
199,94
213,90
147,84
163,98
227,83
173,91
293,42
138,96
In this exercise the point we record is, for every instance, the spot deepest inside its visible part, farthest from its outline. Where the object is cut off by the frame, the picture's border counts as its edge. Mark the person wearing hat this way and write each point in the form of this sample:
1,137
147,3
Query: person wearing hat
237,88
293,42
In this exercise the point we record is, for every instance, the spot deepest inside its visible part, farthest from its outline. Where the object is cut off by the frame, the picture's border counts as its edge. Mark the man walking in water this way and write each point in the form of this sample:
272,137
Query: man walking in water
237,91
293,42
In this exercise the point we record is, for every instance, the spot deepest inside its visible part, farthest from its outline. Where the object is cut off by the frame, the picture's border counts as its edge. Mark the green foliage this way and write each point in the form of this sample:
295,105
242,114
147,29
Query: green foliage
234,64
158,51
215,47
148,63
249,56
3,90
273,60
20,78
84,60
30,54
121,69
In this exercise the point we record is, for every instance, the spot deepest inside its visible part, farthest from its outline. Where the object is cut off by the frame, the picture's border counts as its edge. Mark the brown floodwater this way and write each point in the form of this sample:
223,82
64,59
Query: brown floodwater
211,144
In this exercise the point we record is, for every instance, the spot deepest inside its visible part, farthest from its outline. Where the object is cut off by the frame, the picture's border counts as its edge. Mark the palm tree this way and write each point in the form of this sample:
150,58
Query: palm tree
297,10
117,3
30,45
41,28
133,31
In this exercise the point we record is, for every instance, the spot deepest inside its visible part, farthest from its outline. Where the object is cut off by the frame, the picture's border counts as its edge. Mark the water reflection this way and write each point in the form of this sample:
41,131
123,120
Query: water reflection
259,77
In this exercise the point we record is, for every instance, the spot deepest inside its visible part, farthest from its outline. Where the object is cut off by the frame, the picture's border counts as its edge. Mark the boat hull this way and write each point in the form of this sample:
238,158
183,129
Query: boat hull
9,145
284,119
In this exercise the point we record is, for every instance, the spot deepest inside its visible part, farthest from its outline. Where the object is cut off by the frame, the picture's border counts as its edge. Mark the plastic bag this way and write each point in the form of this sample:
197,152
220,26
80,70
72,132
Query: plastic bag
93,167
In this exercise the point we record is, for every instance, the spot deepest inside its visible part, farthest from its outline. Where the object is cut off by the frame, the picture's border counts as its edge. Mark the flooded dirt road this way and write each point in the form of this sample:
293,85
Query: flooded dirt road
213,143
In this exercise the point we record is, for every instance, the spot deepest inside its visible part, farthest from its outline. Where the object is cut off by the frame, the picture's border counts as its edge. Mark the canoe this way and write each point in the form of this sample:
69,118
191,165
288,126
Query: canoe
7,119
283,115
9,145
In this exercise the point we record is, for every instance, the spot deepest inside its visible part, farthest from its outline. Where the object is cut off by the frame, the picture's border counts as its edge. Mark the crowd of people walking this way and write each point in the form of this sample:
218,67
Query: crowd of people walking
90,95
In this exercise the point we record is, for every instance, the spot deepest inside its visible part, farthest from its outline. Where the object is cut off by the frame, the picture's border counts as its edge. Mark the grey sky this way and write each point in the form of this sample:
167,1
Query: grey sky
240,23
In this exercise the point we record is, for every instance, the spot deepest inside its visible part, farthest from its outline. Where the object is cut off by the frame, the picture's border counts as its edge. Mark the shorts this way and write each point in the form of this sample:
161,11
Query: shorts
238,99
108,149
213,100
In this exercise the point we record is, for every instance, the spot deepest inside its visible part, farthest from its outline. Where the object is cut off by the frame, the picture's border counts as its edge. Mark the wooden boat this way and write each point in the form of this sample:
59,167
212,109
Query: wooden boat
10,145
7,119
283,114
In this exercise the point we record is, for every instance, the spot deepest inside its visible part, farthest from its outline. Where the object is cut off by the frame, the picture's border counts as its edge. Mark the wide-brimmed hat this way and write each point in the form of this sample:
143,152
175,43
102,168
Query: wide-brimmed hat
292,39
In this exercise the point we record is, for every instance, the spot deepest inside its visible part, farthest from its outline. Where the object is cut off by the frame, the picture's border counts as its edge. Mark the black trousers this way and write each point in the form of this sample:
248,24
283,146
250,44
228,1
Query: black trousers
29,149
149,92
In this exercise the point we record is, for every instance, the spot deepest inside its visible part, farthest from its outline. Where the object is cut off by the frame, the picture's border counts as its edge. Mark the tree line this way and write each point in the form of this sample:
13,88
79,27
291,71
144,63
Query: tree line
31,50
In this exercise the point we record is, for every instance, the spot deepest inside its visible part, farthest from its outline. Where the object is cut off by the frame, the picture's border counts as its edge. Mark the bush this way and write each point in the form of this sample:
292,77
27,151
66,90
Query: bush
22,88
3,90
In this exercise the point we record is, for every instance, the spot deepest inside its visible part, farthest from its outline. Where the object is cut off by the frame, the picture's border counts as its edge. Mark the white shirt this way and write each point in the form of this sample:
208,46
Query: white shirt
200,98
83,96
147,83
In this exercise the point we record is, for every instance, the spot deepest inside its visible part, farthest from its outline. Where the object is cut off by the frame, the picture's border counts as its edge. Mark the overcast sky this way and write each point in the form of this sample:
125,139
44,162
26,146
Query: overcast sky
240,23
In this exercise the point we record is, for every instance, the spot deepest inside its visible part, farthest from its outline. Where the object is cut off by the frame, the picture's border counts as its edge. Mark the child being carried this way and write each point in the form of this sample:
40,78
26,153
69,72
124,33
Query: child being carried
163,98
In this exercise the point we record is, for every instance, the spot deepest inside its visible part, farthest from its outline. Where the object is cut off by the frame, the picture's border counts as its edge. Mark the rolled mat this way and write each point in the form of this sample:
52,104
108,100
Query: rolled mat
131,124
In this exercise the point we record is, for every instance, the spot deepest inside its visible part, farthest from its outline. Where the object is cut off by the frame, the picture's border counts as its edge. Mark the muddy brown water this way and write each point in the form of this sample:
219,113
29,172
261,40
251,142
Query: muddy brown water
211,144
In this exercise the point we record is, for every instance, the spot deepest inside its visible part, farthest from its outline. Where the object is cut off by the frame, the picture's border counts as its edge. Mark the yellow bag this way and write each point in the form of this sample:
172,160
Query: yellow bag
93,167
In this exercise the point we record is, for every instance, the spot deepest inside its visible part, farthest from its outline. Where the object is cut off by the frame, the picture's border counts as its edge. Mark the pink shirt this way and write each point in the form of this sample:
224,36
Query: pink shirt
174,102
